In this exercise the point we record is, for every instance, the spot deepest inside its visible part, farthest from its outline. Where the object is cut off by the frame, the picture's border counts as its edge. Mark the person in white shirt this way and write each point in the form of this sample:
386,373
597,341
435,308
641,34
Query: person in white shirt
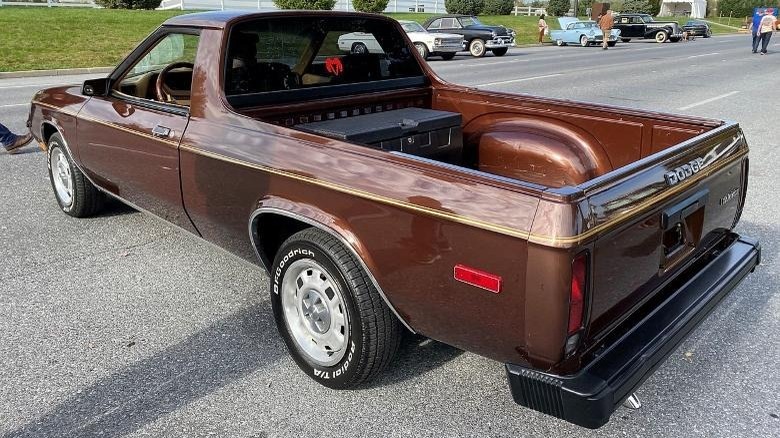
766,27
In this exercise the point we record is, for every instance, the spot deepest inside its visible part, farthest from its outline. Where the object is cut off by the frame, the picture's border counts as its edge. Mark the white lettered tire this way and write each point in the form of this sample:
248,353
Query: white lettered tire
74,193
334,322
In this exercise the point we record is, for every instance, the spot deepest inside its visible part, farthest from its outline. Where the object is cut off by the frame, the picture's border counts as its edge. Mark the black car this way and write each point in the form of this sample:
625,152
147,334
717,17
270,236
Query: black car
644,26
478,38
697,28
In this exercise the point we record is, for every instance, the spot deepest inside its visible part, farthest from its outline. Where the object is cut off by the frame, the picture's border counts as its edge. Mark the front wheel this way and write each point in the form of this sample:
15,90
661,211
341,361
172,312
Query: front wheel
626,40
447,56
611,43
661,37
75,194
584,41
333,320
500,51
477,48
422,50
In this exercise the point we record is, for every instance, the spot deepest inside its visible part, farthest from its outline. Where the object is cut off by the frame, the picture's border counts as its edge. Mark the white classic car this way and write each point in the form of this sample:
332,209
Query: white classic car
427,43
584,33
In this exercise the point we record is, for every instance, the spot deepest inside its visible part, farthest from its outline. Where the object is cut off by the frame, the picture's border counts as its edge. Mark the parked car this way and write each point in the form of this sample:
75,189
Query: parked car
644,26
480,38
584,33
576,243
697,28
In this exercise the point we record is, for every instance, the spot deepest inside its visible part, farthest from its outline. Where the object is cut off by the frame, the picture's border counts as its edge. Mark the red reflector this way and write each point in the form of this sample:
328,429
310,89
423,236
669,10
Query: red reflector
478,278
577,295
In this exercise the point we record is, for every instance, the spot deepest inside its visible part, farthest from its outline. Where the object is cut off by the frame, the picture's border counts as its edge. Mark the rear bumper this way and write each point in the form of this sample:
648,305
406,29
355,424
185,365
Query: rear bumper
589,397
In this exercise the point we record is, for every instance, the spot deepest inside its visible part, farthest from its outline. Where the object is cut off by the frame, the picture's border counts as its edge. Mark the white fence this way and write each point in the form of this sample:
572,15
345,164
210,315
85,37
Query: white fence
51,3
527,10
430,6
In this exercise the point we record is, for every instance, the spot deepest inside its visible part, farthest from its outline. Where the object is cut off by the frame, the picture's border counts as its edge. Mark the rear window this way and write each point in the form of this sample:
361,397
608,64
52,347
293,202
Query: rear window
293,53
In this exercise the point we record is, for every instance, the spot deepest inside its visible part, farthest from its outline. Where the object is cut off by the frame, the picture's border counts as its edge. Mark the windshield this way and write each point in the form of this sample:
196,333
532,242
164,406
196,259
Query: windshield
647,18
413,27
469,21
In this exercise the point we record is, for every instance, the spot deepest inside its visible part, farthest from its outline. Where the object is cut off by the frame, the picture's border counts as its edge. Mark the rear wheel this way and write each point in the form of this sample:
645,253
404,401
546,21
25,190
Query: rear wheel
500,51
336,326
661,37
359,48
447,56
625,40
611,43
584,41
75,194
477,48
422,50
559,43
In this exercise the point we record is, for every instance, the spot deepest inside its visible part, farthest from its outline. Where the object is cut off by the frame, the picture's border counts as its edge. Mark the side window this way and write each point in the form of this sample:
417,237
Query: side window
636,20
624,20
170,63
449,23
436,24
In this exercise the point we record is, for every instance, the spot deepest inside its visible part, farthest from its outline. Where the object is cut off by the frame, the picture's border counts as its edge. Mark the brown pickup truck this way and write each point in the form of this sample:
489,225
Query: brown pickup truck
577,243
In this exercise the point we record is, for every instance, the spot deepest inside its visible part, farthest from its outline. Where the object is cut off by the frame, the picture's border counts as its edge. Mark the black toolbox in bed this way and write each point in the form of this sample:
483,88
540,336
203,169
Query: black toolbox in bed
416,131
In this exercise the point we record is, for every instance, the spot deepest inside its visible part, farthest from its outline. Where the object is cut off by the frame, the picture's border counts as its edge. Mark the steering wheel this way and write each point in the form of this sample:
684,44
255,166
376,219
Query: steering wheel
163,91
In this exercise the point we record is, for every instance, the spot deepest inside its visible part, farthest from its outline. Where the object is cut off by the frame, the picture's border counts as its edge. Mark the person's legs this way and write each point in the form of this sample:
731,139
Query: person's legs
541,35
604,37
6,136
765,37
756,39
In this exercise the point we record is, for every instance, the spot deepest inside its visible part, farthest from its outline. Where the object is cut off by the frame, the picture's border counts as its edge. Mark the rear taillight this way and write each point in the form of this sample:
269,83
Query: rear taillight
579,270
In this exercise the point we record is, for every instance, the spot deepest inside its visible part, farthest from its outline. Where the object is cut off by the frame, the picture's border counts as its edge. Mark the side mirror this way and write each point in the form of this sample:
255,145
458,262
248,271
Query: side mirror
96,87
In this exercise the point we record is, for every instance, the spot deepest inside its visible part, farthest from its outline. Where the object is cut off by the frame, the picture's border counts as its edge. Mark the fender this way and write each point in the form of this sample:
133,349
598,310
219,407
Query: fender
324,221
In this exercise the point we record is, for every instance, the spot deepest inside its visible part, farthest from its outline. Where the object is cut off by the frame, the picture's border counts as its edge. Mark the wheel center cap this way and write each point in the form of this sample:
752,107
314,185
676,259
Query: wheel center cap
315,311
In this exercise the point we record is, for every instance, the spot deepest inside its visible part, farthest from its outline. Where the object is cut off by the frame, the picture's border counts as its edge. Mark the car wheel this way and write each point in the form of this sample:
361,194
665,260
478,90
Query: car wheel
477,48
334,322
625,40
500,51
359,48
611,43
422,50
708,34
559,43
661,37
584,41
675,40
75,194
447,56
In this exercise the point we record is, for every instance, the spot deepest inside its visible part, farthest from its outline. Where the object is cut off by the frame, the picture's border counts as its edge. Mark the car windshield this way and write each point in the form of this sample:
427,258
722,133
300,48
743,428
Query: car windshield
647,18
469,21
589,24
413,27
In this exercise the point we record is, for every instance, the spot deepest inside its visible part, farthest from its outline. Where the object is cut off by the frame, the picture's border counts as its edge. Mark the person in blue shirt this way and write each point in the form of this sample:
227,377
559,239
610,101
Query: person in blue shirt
754,29
10,141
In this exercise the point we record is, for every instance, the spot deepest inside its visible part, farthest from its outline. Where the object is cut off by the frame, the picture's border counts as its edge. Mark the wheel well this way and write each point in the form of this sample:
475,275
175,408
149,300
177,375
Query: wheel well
278,229
48,130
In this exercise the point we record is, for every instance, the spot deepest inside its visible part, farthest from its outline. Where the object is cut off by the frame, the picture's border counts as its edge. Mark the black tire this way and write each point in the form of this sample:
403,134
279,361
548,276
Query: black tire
447,56
559,43
611,43
708,34
626,40
374,333
86,200
422,49
477,48
661,37
359,49
675,40
501,51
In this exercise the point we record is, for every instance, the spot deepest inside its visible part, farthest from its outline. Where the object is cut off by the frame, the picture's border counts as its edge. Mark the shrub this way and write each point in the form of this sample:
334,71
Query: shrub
639,6
129,4
375,6
322,5
742,8
582,7
465,7
498,7
558,8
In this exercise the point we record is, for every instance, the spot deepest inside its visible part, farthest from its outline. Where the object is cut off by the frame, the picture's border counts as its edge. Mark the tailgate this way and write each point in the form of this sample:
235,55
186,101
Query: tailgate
658,213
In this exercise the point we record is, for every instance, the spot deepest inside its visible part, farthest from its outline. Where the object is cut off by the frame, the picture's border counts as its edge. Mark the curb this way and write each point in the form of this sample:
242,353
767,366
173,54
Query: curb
56,72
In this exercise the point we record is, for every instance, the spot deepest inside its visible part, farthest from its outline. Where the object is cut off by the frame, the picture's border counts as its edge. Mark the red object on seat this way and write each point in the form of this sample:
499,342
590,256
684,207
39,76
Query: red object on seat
334,66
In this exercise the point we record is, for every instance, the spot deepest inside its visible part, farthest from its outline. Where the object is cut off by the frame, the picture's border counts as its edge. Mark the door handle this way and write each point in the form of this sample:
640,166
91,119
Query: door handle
161,131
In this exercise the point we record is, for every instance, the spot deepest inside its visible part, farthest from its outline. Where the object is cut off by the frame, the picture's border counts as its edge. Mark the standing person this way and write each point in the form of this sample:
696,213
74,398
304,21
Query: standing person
754,29
766,27
605,24
11,142
542,28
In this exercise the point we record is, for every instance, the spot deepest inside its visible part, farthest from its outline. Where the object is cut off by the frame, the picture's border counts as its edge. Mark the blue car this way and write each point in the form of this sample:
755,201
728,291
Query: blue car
583,33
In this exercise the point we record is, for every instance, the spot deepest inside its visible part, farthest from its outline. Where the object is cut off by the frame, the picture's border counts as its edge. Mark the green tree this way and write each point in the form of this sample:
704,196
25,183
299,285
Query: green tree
582,7
742,8
323,5
129,4
465,7
640,6
558,8
498,7
375,6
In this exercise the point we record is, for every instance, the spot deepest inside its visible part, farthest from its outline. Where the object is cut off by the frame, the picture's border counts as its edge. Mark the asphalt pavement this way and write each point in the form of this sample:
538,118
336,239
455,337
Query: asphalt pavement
124,325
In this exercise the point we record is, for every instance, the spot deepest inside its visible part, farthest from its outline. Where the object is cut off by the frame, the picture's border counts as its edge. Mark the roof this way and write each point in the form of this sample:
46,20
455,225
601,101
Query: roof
221,19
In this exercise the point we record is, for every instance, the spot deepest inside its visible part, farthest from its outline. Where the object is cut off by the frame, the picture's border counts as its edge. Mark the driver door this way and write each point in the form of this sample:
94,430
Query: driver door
129,139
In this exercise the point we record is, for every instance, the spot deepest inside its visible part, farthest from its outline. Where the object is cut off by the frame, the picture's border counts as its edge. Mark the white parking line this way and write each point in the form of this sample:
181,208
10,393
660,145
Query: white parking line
705,54
706,101
15,104
511,81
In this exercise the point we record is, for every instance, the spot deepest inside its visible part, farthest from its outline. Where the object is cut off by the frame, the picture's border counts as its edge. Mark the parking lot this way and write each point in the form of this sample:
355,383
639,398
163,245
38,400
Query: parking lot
123,325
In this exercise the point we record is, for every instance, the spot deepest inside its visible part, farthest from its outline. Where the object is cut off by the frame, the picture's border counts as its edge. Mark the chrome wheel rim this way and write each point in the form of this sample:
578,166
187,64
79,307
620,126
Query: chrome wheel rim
420,49
315,312
61,176
477,48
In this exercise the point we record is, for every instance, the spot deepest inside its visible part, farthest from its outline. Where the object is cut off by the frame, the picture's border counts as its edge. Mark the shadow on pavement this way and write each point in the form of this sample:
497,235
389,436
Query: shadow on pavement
416,356
125,401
